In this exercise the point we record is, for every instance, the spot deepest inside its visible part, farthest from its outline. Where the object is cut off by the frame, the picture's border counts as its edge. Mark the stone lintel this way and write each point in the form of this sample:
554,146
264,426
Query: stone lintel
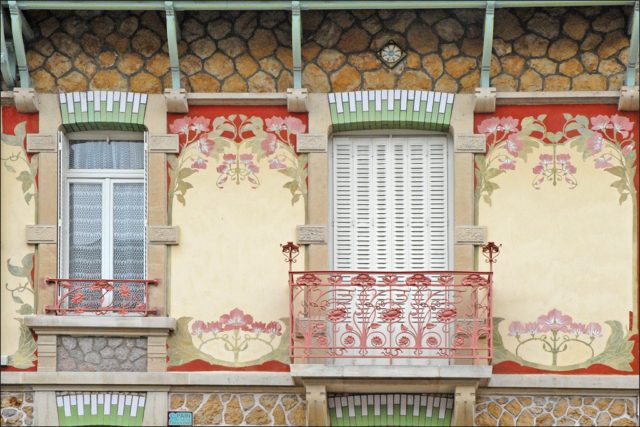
312,234
470,143
25,100
629,98
176,100
164,235
100,325
36,234
471,235
464,406
297,100
41,143
485,100
163,143
312,143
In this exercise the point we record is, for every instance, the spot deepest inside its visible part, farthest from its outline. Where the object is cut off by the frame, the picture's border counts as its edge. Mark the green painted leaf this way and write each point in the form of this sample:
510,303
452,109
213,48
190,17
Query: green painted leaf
181,199
492,173
33,166
583,121
290,172
617,171
620,185
17,138
17,299
28,197
487,199
567,116
9,168
185,172
541,117
295,199
618,350
14,270
623,197
25,309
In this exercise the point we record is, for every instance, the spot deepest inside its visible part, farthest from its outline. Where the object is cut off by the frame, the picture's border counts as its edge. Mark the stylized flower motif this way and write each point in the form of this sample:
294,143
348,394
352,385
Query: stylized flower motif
77,298
459,341
554,321
514,145
222,168
489,126
205,145
391,314
180,125
516,328
602,162
321,340
124,290
349,340
269,144
628,149
258,327
199,164
432,341
404,341
507,164
508,124
447,315
593,330
275,124
276,164
246,158
621,125
532,328
253,167
274,329
101,285
198,328
594,144
214,327
565,161
376,341
576,328
229,158
336,314
200,124
236,319
418,279
294,125
599,122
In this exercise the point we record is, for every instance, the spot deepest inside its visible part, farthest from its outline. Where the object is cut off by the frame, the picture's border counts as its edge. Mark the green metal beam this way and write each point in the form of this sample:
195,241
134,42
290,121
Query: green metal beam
296,43
7,61
18,43
172,43
632,66
487,46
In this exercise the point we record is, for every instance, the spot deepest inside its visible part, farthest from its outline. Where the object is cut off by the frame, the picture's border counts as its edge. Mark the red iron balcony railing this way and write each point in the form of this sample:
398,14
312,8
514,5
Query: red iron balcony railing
101,297
390,315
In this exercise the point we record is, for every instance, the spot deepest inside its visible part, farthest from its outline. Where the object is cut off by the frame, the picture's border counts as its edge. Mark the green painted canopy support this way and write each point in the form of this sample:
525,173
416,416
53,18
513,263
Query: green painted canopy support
296,43
18,43
7,61
487,46
172,43
632,66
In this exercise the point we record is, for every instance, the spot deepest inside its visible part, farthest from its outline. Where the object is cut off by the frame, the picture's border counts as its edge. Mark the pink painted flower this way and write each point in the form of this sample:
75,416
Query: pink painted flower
571,168
538,169
200,124
602,162
229,158
275,124
376,341
516,329
258,327
532,328
294,125
514,145
214,327
246,158
276,164
489,126
269,144
391,314
628,149
432,341
507,164
180,125
253,167
508,124
595,143
236,319
593,330
274,329
198,328
621,125
546,159
336,314
199,164
599,122
322,340
205,145
222,168
565,161
404,341
554,321
576,328
447,315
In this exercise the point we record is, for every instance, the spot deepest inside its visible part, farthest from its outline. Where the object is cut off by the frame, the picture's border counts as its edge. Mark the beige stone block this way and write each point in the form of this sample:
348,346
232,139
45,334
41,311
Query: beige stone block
47,188
297,100
470,235
47,351
25,100
464,406
176,100
157,189
629,98
36,234
41,142
156,269
312,143
163,234
46,266
470,143
485,100
317,409
312,234
163,143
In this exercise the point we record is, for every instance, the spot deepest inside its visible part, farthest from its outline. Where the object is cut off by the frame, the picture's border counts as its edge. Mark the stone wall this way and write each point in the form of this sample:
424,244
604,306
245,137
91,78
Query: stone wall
101,354
16,408
241,409
534,49
555,410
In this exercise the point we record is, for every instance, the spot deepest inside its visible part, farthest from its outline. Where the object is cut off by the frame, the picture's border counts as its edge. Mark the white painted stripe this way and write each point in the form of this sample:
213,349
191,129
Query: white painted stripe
423,400
83,102
437,96
339,103
443,104
134,406
356,400
80,405
396,399
449,403
359,96
430,102
73,400
450,98
123,102
59,401
101,399
378,100
390,100
109,101
376,405
67,406
352,102
384,94
76,96
103,95
443,408
107,405
344,402
365,100
129,96
120,405
63,98
114,399
383,399
370,399
390,404
94,404
403,101
70,107
403,405
416,102
412,94
90,96
127,400
136,103
397,94
96,100
352,408
143,99
416,406
338,408
365,408
141,401
116,96
332,403
332,98
429,406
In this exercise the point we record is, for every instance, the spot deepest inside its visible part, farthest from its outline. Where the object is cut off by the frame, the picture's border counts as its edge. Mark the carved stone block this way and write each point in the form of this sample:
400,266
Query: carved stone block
41,143
485,100
163,235
312,143
176,100
629,98
297,100
471,235
470,143
25,99
312,234
163,143
36,234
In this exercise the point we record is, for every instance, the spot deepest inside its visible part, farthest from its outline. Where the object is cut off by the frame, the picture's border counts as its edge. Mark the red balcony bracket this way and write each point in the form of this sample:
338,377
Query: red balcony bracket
290,251
491,251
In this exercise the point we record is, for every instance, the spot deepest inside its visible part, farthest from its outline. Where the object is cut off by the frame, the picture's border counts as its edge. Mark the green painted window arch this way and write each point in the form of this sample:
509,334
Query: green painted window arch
100,408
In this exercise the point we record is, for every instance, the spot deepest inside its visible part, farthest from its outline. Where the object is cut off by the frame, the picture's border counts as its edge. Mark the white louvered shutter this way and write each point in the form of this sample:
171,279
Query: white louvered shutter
437,211
343,200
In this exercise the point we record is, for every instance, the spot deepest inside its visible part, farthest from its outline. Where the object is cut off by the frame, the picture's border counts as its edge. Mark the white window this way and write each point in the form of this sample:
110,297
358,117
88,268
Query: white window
102,206
390,203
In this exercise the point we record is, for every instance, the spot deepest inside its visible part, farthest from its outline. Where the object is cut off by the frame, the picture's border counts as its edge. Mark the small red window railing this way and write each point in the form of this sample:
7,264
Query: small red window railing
101,297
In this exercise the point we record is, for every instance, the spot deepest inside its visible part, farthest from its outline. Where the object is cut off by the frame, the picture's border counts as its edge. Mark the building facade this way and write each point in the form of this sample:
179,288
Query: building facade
319,213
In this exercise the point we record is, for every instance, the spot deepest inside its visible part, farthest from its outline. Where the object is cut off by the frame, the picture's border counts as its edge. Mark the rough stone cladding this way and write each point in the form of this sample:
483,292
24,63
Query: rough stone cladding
555,410
261,409
16,408
551,49
101,354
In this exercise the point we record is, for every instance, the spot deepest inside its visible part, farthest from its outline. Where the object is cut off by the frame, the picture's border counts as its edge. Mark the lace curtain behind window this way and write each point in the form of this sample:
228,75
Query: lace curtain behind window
106,155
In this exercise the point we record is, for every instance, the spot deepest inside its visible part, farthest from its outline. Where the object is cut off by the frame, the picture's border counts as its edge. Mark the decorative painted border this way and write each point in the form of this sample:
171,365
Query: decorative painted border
391,109
100,110
391,409
125,409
